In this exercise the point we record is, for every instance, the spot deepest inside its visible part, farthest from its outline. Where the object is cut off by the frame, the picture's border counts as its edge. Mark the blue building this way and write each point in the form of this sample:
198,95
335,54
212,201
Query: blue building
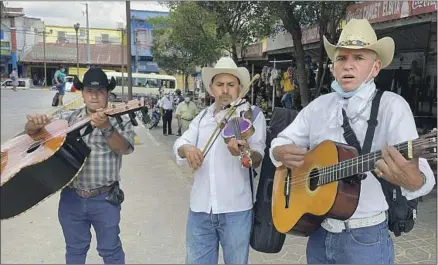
141,36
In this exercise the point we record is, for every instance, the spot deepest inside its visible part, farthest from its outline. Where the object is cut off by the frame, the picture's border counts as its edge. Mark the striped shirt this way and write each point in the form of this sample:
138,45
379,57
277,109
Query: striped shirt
103,165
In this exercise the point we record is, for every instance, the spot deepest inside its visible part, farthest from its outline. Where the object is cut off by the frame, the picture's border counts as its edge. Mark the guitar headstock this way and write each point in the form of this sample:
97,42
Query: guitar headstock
125,107
426,145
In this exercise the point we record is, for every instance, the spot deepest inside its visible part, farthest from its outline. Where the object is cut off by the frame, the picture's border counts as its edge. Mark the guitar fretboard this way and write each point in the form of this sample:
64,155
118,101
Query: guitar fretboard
354,166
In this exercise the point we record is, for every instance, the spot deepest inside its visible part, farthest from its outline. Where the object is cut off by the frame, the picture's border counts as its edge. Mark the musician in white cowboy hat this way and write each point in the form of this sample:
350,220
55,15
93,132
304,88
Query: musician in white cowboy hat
357,59
221,199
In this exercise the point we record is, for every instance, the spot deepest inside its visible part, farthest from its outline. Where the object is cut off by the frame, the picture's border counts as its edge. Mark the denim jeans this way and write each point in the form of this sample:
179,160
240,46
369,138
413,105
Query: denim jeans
77,214
205,232
287,100
366,245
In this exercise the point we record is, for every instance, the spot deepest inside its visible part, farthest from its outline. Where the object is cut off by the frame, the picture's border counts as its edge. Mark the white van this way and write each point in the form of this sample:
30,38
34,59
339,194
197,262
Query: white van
142,84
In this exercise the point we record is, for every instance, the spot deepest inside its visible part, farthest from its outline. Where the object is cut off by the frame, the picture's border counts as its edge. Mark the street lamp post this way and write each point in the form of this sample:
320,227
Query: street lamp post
76,26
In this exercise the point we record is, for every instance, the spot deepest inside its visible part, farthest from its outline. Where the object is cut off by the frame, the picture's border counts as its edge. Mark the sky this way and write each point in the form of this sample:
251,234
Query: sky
101,14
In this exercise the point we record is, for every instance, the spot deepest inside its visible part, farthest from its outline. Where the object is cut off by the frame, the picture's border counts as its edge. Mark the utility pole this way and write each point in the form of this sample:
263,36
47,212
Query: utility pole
136,51
122,30
44,52
76,27
88,37
128,46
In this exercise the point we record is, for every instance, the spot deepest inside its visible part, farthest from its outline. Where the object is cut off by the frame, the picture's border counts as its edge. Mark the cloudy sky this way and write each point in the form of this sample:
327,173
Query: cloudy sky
102,14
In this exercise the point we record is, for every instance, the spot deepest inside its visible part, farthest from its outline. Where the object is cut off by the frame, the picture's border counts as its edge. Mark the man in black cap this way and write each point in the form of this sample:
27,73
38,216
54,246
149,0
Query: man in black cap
86,201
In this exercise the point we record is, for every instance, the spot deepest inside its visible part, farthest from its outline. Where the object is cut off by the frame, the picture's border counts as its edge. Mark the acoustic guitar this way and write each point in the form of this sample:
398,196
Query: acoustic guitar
33,167
323,187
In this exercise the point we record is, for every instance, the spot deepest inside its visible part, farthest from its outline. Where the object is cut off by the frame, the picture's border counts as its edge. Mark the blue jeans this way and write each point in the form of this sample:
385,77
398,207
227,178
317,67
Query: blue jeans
77,214
366,245
287,100
205,231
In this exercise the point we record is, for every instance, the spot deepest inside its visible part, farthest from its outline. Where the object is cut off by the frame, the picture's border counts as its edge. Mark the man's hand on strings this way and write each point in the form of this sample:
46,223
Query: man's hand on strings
99,119
399,171
233,146
194,156
37,121
290,155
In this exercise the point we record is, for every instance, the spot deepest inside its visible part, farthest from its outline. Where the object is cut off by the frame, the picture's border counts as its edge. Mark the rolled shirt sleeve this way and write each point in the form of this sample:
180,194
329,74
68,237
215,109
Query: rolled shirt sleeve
128,133
296,133
188,137
257,142
402,128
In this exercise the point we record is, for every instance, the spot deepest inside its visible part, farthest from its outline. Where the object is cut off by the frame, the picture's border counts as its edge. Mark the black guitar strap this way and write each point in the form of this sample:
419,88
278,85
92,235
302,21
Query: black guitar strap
350,136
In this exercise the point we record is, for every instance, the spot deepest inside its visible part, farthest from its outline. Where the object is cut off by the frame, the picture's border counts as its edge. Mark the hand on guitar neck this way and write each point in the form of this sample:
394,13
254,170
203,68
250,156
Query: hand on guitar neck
290,155
399,171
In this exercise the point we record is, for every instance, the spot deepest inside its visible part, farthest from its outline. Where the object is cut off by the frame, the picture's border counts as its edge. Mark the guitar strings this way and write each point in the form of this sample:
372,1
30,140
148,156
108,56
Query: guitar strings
52,136
316,174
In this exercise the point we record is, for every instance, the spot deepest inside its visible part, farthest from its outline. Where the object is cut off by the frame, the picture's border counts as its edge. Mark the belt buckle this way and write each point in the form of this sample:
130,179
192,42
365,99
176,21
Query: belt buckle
84,193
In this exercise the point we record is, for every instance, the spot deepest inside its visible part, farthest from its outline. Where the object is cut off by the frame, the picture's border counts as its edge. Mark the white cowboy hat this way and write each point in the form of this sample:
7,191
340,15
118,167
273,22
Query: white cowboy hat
359,34
225,65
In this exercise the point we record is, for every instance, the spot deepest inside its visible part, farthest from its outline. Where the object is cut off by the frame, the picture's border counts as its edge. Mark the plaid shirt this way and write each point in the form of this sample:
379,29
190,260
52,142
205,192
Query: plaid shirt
103,165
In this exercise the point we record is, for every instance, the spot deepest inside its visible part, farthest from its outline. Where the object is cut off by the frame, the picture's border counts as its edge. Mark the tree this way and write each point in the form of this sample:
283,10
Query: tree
329,15
177,47
240,23
293,16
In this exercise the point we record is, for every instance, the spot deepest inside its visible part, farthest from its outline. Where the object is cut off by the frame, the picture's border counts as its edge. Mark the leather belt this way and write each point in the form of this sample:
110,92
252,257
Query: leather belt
337,226
91,193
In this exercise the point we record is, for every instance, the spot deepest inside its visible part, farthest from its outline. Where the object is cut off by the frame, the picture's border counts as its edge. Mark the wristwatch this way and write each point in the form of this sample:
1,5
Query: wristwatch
107,132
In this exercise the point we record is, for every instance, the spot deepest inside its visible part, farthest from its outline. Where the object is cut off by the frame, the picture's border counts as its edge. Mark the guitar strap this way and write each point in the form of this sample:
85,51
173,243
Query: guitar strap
350,136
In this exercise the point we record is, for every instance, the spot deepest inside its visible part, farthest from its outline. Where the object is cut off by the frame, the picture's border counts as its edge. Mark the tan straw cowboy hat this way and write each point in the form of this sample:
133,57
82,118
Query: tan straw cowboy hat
225,65
358,34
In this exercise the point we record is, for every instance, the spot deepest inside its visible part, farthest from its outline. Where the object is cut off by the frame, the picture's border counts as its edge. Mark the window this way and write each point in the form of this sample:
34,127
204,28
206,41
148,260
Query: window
105,38
81,32
167,83
61,37
1,34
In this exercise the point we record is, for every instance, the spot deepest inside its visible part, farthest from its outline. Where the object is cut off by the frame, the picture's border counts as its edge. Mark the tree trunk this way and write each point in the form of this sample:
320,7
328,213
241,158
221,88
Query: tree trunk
234,51
295,31
186,82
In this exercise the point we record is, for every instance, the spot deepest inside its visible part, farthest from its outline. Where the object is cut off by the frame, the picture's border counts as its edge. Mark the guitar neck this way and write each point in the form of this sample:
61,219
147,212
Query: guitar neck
359,164
79,124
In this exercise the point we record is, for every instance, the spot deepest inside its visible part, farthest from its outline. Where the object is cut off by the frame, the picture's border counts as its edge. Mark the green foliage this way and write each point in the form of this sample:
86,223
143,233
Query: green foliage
184,39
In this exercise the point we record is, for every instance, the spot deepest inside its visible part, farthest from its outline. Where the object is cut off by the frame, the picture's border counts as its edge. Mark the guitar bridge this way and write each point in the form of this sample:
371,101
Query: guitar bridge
287,183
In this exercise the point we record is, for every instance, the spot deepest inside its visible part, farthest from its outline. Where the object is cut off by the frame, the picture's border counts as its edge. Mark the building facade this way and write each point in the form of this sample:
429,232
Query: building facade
141,36
63,34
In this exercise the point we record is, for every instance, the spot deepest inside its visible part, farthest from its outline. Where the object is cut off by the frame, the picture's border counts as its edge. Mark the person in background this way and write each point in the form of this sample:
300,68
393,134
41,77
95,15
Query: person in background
166,107
60,83
185,113
14,78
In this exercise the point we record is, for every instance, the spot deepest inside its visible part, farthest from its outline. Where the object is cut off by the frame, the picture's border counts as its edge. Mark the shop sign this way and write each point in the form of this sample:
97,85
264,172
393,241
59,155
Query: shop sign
5,48
389,10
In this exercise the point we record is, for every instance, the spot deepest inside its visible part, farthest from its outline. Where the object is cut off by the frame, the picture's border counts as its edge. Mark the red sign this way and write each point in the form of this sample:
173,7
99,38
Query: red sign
389,10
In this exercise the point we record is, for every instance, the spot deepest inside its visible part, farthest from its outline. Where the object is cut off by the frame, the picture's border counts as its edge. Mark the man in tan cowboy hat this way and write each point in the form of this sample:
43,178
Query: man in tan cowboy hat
357,59
221,199
94,197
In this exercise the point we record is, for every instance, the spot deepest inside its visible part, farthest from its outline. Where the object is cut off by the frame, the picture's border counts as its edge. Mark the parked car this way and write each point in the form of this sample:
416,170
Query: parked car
23,83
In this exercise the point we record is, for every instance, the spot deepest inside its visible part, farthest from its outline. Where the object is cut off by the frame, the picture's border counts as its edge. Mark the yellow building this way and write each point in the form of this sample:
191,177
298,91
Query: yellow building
63,34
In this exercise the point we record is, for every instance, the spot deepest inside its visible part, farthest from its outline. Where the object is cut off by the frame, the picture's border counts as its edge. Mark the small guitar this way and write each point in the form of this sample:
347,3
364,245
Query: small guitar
33,167
302,199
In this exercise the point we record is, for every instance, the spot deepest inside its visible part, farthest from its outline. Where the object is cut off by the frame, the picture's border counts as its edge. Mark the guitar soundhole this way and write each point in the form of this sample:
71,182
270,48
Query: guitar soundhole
313,179
33,147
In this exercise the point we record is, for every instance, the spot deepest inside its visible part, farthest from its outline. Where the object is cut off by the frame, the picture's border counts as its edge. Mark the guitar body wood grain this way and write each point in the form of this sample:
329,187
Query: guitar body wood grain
34,167
309,205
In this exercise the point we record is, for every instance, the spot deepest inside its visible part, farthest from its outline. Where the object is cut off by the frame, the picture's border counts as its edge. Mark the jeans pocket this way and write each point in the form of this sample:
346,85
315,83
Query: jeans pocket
366,236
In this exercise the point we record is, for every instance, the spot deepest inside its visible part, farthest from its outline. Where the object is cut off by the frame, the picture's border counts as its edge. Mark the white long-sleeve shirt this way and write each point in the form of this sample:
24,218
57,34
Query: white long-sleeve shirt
221,184
322,119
